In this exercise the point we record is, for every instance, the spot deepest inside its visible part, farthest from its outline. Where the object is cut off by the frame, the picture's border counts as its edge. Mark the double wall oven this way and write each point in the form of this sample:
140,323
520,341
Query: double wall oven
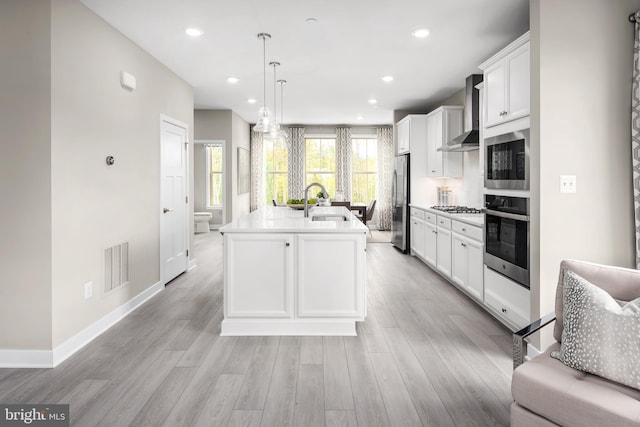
507,215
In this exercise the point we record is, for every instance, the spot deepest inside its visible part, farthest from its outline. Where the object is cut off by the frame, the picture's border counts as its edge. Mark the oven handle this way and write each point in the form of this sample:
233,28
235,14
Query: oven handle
508,215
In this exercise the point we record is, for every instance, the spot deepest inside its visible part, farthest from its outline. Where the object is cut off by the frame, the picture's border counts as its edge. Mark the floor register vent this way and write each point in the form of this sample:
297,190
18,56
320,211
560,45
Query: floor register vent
116,266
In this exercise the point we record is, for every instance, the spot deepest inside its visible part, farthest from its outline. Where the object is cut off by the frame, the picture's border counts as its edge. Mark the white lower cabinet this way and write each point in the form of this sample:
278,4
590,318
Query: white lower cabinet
507,300
330,276
467,265
417,236
443,259
430,244
261,269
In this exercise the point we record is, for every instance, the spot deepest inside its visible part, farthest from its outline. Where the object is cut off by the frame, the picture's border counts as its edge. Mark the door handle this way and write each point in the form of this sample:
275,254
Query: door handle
165,210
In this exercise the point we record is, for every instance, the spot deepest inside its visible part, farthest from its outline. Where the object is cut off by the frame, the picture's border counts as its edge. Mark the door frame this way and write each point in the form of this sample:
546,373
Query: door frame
223,142
168,119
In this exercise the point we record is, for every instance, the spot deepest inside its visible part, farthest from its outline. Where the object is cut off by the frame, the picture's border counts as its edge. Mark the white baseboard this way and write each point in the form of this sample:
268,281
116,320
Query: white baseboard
52,358
26,359
287,327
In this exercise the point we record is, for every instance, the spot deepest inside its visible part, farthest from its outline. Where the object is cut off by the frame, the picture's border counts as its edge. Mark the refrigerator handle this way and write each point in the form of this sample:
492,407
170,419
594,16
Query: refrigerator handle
395,189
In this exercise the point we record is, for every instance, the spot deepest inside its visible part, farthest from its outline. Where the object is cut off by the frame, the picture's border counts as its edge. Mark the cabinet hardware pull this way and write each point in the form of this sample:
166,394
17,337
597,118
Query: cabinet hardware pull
464,229
287,244
463,245
504,310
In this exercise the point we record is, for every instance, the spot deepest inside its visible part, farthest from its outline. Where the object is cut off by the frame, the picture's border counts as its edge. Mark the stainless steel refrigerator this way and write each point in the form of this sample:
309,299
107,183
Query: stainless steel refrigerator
400,203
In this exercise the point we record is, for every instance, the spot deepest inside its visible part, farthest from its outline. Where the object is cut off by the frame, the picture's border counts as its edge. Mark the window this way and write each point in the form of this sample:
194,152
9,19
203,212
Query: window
276,174
364,169
321,164
214,172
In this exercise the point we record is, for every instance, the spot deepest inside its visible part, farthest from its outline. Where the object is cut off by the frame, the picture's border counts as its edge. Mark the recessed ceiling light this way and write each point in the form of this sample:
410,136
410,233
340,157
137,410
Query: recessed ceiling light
373,101
233,80
251,101
360,117
420,33
312,20
387,79
194,32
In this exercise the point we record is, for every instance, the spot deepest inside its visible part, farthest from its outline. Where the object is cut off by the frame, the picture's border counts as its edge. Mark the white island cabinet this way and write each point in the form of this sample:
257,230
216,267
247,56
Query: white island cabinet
285,274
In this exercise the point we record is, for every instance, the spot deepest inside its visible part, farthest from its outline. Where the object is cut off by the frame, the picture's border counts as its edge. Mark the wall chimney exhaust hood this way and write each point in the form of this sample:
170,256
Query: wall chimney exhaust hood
470,139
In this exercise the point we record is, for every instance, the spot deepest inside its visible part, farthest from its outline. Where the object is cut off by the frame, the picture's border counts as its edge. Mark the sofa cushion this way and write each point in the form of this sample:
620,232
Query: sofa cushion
569,397
600,336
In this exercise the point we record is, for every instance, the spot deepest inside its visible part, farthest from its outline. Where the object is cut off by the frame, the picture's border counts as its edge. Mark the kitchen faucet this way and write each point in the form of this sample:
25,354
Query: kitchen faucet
306,196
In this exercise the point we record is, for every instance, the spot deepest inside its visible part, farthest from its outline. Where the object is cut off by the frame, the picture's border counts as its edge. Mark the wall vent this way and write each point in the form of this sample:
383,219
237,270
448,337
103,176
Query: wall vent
116,266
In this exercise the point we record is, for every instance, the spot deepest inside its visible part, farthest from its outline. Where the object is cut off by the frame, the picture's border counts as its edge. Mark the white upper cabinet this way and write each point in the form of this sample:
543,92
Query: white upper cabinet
404,135
443,124
506,83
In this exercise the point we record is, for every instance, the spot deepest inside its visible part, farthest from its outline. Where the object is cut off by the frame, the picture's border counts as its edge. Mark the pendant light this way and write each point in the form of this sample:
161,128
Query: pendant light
264,115
274,126
282,134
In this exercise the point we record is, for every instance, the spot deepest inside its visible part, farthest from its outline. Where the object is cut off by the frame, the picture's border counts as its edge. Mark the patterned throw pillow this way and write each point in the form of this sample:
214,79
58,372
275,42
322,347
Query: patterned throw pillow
600,336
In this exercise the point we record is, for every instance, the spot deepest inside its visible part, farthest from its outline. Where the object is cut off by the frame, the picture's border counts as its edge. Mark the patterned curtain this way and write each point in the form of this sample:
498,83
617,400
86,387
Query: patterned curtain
343,162
296,163
635,133
385,176
257,180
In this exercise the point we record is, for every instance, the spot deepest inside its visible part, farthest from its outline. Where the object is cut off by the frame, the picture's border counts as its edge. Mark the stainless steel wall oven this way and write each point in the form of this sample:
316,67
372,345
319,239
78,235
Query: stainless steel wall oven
507,161
507,236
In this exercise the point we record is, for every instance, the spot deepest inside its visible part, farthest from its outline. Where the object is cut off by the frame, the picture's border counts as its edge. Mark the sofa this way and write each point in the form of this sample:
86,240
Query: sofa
547,392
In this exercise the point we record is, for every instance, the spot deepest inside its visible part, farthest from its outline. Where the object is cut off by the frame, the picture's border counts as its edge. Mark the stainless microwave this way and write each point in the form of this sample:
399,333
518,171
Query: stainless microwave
506,161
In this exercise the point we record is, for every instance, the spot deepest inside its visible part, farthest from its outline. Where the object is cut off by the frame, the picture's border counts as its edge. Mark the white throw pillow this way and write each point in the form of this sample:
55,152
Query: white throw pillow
600,336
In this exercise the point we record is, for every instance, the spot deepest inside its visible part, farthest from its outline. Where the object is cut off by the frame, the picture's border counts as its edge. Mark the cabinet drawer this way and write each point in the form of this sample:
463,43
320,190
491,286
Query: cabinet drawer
431,218
464,229
508,299
444,222
417,213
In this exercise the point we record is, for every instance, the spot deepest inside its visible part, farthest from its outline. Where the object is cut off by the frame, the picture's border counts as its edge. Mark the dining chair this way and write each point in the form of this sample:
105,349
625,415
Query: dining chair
368,215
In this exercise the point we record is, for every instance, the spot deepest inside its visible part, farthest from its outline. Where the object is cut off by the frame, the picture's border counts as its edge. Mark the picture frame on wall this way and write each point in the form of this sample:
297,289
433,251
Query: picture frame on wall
244,176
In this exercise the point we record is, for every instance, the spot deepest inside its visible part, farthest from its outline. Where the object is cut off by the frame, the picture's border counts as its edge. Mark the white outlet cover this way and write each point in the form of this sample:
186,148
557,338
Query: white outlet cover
88,290
568,183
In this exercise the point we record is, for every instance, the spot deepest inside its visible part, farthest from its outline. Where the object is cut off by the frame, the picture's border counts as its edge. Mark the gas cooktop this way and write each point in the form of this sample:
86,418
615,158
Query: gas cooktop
457,209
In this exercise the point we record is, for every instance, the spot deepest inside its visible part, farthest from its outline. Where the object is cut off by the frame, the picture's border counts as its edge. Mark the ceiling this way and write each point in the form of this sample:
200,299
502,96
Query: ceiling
333,66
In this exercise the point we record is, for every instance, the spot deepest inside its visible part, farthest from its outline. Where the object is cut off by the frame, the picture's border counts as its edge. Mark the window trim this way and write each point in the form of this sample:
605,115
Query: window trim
223,144
331,137
265,174
367,172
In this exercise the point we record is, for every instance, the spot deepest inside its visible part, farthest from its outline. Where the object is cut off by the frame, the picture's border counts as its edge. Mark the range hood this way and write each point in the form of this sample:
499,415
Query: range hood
470,138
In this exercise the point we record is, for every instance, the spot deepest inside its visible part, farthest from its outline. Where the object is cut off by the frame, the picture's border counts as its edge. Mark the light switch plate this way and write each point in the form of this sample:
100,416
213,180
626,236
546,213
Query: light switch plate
88,290
567,183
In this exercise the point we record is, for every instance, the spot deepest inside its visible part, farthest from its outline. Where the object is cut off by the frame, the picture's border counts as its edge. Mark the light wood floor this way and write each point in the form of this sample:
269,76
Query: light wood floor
426,355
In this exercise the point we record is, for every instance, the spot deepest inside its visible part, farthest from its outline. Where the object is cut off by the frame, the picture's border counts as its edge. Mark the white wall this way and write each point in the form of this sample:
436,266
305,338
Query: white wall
94,205
241,138
580,124
25,175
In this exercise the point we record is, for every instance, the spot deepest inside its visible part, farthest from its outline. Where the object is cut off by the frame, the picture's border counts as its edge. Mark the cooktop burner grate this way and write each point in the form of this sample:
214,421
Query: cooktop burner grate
457,209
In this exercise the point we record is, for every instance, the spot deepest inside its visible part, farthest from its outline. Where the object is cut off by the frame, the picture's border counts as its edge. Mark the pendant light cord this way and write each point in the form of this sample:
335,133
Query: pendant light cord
264,70
275,111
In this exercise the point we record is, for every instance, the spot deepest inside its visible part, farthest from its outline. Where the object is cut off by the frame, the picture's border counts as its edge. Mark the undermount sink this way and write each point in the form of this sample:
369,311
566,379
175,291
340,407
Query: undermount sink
329,217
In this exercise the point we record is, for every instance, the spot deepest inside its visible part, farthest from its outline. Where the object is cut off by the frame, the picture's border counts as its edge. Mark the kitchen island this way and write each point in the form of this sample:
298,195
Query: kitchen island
285,274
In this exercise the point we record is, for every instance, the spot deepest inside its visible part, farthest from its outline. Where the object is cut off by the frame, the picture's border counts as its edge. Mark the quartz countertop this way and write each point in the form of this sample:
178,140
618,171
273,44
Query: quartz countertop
471,219
282,219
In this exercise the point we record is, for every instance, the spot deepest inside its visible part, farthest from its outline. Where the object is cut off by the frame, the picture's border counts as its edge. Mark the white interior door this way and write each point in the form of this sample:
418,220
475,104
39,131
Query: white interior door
173,200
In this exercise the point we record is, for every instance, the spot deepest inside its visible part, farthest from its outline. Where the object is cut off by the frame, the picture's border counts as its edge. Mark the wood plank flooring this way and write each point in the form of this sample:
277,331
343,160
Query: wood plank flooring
426,355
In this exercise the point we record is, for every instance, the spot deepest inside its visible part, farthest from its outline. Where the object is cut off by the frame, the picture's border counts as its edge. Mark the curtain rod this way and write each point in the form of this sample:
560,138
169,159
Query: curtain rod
632,17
